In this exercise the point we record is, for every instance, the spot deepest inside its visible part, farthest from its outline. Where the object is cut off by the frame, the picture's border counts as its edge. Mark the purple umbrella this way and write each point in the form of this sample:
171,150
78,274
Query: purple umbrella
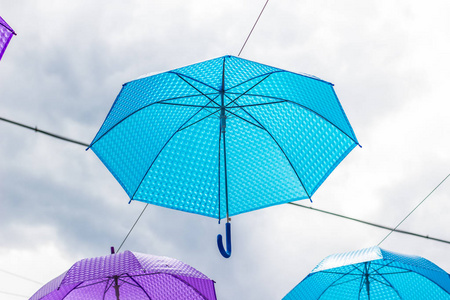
6,33
129,275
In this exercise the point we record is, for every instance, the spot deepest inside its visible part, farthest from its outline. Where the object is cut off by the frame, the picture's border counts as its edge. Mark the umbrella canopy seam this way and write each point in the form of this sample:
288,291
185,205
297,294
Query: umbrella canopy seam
282,151
162,148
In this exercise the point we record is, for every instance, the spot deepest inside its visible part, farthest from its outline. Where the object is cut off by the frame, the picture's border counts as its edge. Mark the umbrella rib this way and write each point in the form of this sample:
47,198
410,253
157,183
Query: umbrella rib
218,169
343,282
140,286
108,285
253,78
257,104
189,285
244,93
281,149
388,265
307,108
162,148
361,284
195,88
185,105
198,121
191,78
142,108
406,271
90,284
70,290
332,284
243,119
389,283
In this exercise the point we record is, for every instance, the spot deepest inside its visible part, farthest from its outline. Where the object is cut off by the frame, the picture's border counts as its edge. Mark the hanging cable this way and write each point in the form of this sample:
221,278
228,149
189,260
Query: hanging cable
45,132
13,294
132,228
298,205
21,277
413,210
254,25
370,224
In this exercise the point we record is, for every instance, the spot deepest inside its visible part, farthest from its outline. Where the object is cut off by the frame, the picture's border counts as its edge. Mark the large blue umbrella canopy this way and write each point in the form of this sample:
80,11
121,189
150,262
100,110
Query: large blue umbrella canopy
224,137
373,273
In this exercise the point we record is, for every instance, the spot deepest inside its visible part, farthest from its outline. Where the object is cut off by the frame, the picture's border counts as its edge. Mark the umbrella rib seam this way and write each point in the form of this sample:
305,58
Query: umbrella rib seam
193,79
150,298
160,151
281,149
70,290
136,111
243,119
244,93
312,111
389,283
189,285
429,270
195,88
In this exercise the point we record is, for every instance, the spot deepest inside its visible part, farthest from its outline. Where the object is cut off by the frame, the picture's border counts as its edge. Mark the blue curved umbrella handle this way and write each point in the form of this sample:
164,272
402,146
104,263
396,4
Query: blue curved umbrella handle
225,253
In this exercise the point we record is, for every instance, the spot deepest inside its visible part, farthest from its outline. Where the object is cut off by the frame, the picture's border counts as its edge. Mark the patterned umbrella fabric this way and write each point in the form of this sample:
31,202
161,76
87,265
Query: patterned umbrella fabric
373,273
224,137
128,275
6,33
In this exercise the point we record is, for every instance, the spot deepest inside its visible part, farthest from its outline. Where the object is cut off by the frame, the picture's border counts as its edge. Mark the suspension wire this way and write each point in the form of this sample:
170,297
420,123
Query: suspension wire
20,276
44,132
254,25
71,141
13,294
414,209
370,223
295,204
298,205
132,228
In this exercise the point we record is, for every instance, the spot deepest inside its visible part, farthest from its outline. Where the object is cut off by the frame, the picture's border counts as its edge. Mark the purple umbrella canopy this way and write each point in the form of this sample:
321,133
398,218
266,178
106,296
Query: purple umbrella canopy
6,33
129,275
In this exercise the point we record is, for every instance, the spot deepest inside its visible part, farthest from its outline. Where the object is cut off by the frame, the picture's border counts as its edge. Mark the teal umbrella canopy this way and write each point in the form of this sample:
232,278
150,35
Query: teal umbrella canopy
224,137
285,133
373,273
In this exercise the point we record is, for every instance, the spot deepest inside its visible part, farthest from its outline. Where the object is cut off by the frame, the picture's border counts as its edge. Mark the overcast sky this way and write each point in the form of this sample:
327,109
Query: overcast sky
389,61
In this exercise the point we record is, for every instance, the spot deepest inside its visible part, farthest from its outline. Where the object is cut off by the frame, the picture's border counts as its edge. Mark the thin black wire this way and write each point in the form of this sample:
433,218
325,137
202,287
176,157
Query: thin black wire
21,277
414,209
253,27
13,294
132,228
45,132
298,205
371,224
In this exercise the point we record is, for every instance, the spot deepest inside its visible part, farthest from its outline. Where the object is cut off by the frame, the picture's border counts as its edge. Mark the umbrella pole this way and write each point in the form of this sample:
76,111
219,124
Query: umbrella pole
116,279
223,124
225,253
116,286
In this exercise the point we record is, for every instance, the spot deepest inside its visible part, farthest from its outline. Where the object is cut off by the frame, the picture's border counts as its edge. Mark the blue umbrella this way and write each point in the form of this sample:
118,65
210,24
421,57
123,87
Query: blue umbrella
373,273
224,137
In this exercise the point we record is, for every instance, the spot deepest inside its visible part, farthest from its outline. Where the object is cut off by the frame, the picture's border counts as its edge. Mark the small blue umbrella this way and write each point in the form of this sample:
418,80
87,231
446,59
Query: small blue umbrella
376,274
224,137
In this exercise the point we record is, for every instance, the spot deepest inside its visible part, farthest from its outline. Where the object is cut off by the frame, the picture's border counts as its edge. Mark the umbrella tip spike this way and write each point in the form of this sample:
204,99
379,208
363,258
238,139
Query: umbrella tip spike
112,250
